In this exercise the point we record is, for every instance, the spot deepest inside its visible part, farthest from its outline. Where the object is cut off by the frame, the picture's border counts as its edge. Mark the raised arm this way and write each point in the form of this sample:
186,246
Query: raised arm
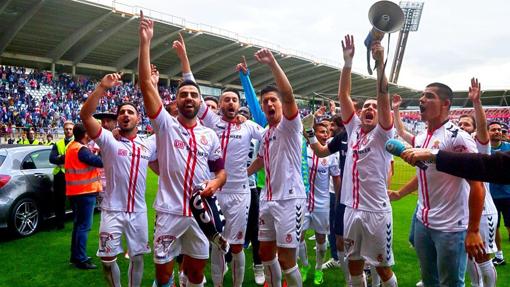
399,125
250,95
344,85
180,48
289,106
90,105
383,98
475,91
151,98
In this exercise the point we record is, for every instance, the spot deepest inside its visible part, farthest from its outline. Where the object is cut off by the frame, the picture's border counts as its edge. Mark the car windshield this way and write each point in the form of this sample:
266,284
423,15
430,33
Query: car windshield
2,158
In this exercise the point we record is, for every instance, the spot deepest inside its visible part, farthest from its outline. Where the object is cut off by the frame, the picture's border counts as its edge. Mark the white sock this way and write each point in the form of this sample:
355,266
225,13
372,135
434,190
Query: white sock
238,266
183,279
345,266
293,277
303,257
189,284
320,252
217,265
499,254
376,280
358,281
111,272
273,273
135,270
474,273
392,282
489,274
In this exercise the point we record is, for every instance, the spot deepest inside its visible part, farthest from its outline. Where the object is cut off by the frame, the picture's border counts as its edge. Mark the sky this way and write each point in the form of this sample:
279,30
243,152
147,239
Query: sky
456,39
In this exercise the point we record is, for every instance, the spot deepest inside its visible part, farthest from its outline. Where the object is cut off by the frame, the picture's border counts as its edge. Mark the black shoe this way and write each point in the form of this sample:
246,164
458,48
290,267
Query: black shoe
87,265
498,261
74,261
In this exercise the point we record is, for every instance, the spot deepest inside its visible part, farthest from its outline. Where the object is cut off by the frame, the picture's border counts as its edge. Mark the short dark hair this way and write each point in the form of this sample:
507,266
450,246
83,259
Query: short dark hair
337,119
444,92
211,98
358,105
188,83
231,90
470,117
126,104
320,124
79,131
494,123
269,89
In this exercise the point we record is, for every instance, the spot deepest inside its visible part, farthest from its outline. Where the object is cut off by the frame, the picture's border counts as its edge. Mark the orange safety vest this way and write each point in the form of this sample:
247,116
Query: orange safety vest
80,177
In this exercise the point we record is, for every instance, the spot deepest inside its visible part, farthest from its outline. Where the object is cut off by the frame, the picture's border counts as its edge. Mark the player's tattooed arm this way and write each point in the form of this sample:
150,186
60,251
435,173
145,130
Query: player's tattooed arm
289,106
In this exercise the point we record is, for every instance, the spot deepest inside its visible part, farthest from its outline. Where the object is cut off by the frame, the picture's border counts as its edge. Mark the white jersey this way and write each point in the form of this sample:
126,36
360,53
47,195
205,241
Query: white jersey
488,207
184,155
364,182
443,198
235,142
320,171
125,164
281,151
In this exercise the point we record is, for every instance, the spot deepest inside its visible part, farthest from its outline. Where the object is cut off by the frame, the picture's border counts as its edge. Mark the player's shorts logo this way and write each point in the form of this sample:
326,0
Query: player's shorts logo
104,238
348,244
380,258
239,235
162,245
261,221
288,238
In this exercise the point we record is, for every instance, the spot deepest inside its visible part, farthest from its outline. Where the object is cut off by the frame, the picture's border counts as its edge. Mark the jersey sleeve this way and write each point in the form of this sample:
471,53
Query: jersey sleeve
386,134
208,118
215,151
151,145
352,123
462,142
334,170
105,140
292,125
256,131
162,120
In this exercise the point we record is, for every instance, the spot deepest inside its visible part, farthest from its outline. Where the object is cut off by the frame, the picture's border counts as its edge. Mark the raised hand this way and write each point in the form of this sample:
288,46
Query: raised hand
332,107
146,30
111,80
180,47
396,102
243,66
154,75
264,56
377,52
475,90
348,49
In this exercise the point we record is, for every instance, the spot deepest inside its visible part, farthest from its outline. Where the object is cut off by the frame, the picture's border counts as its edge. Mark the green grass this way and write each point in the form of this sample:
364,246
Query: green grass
42,259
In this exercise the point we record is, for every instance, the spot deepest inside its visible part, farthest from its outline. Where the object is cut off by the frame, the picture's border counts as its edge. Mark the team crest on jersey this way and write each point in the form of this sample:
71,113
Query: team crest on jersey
179,144
122,152
288,238
203,140
436,144
324,161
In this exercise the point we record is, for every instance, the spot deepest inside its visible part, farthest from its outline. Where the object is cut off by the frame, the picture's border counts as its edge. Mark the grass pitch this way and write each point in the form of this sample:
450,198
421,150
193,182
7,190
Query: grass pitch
43,259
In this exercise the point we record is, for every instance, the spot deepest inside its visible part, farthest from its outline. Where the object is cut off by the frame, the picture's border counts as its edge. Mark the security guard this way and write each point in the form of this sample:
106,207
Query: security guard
82,185
57,157
30,140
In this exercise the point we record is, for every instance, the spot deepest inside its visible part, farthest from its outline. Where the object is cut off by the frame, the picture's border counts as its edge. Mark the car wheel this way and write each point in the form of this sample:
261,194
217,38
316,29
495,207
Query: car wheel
25,217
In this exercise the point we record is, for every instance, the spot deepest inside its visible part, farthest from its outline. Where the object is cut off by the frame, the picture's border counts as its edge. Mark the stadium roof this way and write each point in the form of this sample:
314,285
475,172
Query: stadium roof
91,38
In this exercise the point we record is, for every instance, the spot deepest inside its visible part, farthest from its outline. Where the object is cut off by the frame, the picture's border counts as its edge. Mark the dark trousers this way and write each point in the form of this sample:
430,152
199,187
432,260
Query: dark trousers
59,198
252,232
331,235
83,210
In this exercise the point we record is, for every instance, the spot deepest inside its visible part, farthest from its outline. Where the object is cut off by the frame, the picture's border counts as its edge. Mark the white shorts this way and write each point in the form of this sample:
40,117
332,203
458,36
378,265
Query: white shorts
177,234
488,226
317,221
282,221
235,208
132,225
369,236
